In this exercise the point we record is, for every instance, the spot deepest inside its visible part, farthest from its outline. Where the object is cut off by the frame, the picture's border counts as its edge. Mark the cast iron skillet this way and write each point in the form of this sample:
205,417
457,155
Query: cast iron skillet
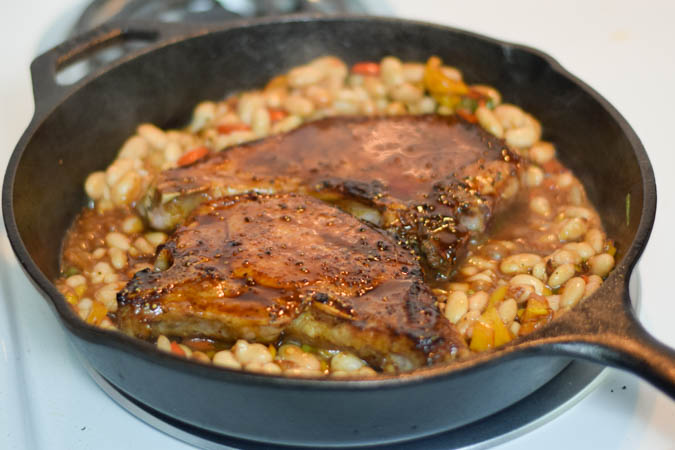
77,129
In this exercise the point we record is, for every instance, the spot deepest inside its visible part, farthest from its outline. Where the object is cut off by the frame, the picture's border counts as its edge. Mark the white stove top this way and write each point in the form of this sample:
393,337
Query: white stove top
625,51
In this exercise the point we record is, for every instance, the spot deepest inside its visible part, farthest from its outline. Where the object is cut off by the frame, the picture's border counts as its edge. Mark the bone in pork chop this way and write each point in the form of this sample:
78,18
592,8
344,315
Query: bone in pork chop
261,267
435,180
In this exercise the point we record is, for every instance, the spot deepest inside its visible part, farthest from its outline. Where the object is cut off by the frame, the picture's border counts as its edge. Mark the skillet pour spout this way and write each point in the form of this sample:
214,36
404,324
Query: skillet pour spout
42,192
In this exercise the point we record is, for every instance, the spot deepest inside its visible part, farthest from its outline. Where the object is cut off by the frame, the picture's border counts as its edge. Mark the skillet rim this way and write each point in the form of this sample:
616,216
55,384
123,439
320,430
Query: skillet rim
528,347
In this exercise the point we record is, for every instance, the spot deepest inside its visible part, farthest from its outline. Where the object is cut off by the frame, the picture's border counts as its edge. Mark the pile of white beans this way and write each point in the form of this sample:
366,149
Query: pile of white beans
572,258
289,359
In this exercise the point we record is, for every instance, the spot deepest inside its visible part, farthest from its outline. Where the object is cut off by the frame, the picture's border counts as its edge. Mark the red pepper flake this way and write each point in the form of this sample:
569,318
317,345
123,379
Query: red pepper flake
366,68
227,128
466,115
192,156
277,114
175,348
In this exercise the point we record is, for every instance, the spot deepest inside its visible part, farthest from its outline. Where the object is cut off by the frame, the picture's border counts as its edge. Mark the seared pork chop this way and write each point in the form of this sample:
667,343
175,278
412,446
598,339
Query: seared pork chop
435,180
262,267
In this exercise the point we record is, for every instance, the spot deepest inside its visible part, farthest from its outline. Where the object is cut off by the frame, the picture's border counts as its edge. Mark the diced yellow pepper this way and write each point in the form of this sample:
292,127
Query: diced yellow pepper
97,313
501,333
71,298
483,337
535,308
437,83
498,295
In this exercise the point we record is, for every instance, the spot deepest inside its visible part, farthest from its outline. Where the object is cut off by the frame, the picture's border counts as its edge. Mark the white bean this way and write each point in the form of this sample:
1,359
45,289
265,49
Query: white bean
260,124
413,72
225,358
202,115
489,121
163,343
592,285
300,358
572,292
247,353
108,296
375,87
117,240
298,105
507,310
539,271
95,185
541,152
553,302
564,180
406,93
118,169
156,137
118,258
510,116
248,104
528,280
76,280
269,368
560,275
346,362
187,350
456,306
583,249
533,177
391,71
318,95
84,307
135,147
127,189
156,238
304,76
601,264
541,206
144,246
520,263
564,256
132,224
478,301
521,137
573,229
596,239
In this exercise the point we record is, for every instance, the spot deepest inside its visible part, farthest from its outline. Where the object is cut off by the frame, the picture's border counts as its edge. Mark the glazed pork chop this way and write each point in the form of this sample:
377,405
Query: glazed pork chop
433,181
265,267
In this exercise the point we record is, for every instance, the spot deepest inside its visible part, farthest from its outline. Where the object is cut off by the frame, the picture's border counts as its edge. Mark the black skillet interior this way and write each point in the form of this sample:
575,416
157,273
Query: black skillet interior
78,129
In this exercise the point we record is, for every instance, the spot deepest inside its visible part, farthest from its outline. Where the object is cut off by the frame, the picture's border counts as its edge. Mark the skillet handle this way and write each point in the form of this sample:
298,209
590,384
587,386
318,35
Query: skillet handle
614,337
47,91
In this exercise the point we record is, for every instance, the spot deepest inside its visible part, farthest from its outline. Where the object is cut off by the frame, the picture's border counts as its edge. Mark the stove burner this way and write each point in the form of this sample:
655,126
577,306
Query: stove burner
101,11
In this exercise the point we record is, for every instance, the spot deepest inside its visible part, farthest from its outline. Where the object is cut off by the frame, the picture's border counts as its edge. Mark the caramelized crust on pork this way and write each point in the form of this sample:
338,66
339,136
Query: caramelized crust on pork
262,267
433,181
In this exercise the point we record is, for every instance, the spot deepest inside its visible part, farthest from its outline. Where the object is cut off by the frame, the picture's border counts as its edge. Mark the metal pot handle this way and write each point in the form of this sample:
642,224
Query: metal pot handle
48,92
604,329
